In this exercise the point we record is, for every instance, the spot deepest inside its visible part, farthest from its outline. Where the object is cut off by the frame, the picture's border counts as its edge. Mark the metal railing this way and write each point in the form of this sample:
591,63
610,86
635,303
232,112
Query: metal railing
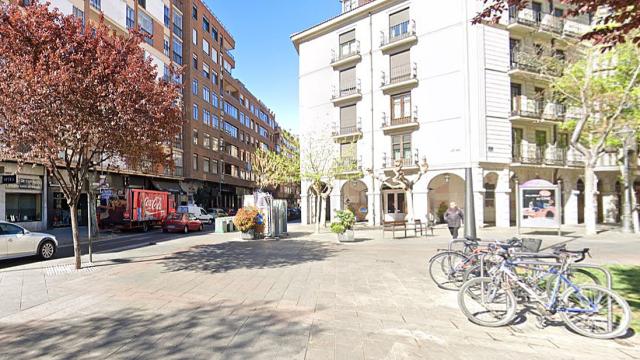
347,130
535,63
526,17
548,22
399,32
537,109
404,120
551,155
552,23
405,162
400,74
347,90
353,49
349,164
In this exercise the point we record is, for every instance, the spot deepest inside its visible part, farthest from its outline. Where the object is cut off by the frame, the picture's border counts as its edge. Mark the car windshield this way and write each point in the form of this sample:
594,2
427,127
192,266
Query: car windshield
176,216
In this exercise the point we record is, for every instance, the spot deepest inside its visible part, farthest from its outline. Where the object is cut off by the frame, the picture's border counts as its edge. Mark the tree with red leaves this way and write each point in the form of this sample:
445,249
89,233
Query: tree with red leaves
618,23
76,99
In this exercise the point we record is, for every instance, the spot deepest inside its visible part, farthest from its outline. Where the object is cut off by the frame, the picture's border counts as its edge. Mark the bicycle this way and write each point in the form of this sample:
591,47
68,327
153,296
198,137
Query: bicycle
449,269
589,310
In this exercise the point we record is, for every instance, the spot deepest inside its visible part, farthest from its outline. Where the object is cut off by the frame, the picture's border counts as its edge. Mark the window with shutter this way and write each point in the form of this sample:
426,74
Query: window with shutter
399,24
400,67
348,122
348,82
348,43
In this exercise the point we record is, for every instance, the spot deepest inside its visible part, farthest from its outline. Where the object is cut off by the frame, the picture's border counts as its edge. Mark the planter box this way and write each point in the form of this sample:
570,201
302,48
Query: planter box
348,236
249,235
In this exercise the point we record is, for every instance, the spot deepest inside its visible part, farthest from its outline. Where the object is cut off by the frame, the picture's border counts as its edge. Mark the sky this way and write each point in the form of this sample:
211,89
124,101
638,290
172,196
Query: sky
266,60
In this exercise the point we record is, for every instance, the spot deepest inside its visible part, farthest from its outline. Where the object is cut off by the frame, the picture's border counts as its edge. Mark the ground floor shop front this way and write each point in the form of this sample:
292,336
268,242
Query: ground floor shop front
23,196
494,190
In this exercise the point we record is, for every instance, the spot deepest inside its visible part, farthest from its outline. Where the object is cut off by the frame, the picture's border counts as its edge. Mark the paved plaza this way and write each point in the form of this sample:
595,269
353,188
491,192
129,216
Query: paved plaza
212,296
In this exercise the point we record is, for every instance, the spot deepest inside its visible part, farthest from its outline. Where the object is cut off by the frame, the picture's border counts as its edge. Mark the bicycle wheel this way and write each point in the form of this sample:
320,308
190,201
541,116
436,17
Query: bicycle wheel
595,312
577,276
447,269
486,303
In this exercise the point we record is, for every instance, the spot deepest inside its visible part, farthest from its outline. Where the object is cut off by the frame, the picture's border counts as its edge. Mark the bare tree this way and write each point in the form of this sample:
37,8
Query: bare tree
399,180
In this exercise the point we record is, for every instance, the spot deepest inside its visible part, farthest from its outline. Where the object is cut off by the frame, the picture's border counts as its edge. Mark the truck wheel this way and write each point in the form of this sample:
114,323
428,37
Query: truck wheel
145,227
186,229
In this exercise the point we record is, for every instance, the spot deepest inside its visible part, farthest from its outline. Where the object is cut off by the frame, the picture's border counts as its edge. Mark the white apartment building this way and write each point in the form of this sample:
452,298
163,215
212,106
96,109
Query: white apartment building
402,80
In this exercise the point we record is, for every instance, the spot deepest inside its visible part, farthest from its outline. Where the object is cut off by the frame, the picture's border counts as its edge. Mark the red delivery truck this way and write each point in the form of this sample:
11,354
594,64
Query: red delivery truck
146,209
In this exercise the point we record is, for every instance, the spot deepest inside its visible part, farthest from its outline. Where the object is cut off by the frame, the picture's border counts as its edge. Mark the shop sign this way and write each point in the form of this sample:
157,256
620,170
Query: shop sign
9,179
25,183
106,193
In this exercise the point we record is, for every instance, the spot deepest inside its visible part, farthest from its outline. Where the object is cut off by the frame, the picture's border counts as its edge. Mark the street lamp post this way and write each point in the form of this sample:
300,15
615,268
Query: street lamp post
469,206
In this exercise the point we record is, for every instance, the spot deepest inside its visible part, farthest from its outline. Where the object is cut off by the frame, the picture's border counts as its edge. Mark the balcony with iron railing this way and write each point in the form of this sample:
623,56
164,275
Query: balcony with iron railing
400,79
347,93
347,134
528,154
523,108
405,162
347,55
535,65
349,165
402,35
546,25
402,123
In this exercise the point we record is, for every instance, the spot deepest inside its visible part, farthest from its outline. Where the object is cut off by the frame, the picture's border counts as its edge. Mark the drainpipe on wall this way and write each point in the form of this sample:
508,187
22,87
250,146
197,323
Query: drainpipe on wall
373,157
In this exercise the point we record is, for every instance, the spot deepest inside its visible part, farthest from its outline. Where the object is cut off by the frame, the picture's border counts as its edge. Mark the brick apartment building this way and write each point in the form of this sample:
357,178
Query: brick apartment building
224,122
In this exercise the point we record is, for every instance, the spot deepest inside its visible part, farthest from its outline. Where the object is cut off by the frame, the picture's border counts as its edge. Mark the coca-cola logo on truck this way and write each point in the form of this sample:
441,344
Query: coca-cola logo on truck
153,204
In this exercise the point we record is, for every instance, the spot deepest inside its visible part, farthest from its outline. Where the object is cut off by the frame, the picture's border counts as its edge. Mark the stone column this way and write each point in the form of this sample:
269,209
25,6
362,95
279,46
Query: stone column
503,209
336,202
304,209
571,207
610,207
478,197
375,206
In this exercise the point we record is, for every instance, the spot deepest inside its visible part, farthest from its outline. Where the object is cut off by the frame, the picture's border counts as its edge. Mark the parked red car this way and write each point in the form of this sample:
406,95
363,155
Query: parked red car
182,222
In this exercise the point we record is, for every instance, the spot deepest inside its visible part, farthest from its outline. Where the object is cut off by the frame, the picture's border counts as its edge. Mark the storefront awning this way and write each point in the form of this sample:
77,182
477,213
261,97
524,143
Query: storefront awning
166,186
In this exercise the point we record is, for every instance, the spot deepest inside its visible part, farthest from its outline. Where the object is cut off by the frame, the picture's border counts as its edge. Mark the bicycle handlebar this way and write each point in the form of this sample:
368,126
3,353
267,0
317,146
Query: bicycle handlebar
579,254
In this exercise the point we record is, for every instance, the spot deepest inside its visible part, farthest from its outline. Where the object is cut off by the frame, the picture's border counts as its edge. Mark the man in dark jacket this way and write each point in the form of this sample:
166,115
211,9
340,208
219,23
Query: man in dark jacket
454,217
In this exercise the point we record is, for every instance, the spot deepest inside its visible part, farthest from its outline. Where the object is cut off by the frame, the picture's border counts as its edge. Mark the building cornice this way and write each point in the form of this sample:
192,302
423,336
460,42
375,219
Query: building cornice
340,20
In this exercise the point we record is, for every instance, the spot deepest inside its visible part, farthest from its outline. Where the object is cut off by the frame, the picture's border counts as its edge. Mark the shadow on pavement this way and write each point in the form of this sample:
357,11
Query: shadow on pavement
190,332
248,255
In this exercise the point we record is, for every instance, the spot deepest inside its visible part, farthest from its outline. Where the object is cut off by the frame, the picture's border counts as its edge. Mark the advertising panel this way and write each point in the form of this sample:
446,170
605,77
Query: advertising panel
539,205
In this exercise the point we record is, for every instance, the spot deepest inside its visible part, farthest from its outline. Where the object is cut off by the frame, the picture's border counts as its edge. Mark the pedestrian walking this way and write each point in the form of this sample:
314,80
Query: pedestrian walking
454,217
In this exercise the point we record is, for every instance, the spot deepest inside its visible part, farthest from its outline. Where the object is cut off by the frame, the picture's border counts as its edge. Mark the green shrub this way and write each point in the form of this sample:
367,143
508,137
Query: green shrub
345,219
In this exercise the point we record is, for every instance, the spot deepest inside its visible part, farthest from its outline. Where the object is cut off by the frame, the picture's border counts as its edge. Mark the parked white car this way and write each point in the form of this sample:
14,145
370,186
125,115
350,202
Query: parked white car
16,241
200,213
217,212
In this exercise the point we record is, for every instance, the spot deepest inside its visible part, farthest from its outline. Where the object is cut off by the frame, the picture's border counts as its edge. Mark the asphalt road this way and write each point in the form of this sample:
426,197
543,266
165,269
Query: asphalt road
125,241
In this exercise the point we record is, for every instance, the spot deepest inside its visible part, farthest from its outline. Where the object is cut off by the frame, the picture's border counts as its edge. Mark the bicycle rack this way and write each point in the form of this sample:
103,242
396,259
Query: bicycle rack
607,275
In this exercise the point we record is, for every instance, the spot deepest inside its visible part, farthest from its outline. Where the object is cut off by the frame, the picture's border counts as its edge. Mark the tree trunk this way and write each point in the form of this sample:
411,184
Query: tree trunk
323,211
316,214
590,189
73,208
634,211
410,210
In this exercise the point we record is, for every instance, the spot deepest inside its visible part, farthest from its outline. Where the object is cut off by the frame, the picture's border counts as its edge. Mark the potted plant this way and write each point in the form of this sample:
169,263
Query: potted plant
246,220
343,225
